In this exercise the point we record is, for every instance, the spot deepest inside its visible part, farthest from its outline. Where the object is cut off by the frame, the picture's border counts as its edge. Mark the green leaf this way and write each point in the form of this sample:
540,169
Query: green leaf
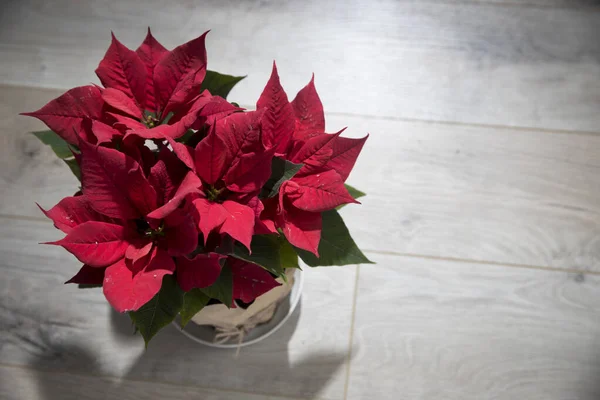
61,148
265,253
74,166
184,139
289,257
88,285
167,118
222,289
281,171
193,302
336,246
160,310
56,143
355,193
219,84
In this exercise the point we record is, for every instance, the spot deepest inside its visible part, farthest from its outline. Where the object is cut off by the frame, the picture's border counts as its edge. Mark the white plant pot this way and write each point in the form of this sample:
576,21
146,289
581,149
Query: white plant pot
234,338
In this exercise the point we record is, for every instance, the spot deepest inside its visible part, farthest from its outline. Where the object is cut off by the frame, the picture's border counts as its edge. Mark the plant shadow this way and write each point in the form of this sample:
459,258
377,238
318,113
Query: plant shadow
268,368
275,366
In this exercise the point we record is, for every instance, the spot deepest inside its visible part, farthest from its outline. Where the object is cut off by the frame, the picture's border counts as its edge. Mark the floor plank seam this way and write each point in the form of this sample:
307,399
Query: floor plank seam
529,129
401,119
482,262
351,336
154,381
400,254
17,217
458,123
519,5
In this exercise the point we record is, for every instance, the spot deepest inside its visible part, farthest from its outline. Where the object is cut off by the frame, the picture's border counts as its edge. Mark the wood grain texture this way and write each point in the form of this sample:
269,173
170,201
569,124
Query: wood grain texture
21,384
501,195
443,330
479,193
54,327
468,62
22,156
565,4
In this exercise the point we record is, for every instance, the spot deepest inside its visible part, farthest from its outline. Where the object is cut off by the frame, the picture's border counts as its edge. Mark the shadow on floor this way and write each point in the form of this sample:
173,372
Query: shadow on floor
265,368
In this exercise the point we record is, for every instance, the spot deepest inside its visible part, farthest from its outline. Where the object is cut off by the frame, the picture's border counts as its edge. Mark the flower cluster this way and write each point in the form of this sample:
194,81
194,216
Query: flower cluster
181,188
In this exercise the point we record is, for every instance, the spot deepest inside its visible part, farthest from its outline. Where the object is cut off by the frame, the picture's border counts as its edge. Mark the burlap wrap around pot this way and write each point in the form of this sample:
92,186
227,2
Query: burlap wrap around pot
234,323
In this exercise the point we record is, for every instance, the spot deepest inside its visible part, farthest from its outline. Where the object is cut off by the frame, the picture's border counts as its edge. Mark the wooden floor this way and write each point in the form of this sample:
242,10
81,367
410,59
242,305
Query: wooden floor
483,210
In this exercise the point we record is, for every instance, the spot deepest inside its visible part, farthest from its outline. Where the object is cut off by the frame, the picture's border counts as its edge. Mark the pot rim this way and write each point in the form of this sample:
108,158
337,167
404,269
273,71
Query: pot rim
295,294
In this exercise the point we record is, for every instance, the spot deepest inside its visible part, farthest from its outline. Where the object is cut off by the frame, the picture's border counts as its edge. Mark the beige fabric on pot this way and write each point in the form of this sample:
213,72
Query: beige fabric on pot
233,323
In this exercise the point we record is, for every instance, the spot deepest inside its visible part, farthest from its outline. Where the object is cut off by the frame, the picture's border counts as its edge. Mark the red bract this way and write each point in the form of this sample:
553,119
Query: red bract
327,161
150,93
233,164
200,271
250,280
109,225
176,181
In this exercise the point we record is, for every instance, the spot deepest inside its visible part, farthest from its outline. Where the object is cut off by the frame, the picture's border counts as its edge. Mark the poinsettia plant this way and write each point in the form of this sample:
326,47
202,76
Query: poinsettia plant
186,197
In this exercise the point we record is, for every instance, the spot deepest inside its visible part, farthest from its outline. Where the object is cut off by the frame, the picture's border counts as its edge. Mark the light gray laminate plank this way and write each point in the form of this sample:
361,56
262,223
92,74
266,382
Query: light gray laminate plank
50,326
566,4
30,171
490,194
479,193
466,62
23,384
444,330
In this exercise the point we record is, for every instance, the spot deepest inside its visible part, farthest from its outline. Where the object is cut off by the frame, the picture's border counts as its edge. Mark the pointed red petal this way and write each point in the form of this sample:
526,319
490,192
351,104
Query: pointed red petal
320,192
179,74
181,234
88,276
190,184
250,172
72,211
250,280
239,223
160,180
102,132
138,249
315,152
262,226
125,123
176,127
97,244
278,121
302,229
65,114
344,154
241,133
211,158
206,108
198,272
166,175
127,292
212,215
216,108
114,183
119,100
310,120
151,52
184,152
232,146
122,69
